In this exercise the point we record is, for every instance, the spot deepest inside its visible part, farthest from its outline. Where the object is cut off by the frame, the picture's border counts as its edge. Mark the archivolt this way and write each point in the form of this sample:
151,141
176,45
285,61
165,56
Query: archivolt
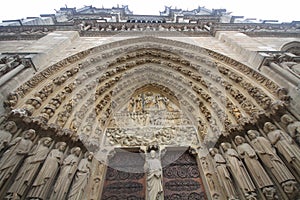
214,90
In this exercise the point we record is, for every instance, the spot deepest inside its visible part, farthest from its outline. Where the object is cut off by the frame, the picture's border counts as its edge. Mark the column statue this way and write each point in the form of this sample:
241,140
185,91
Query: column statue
81,178
292,126
44,180
66,175
30,168
153,169
17,150
6,134
284,144
223,174
250,158
240,171
268,156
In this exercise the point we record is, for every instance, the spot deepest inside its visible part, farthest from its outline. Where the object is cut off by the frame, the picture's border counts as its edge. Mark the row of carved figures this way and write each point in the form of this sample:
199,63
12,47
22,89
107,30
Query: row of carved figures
40,169
255,163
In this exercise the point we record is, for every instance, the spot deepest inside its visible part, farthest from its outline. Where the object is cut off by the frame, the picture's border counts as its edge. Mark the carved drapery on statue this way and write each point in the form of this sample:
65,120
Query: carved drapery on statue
30,167
45,179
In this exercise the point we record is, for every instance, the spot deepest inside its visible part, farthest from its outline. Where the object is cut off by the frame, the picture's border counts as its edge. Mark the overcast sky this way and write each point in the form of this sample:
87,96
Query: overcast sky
284,11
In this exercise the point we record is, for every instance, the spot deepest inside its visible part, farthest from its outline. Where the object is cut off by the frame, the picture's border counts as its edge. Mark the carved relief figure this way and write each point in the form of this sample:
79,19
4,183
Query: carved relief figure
240,172
284,144
16,151
30,167
292,126
269,157
66,174
44,179
6,134
153,169
81,178
255,168
223,174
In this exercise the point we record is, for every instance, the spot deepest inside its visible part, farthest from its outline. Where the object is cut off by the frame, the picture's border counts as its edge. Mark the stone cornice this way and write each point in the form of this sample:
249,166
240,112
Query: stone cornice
92,28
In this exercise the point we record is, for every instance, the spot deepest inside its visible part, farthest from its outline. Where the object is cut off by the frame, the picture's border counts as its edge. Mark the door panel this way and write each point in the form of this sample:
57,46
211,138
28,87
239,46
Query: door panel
181,178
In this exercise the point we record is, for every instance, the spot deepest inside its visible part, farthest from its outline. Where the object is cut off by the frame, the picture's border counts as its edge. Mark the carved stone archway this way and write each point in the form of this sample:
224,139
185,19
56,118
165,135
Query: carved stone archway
79,99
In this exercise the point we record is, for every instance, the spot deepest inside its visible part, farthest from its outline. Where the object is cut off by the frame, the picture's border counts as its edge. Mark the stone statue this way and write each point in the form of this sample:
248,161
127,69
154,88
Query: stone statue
6,134
30,167
153,169
81,178
292,126
284,144
17,150
223,174
240,171
294,66
270,159
66,174
251,160
44,180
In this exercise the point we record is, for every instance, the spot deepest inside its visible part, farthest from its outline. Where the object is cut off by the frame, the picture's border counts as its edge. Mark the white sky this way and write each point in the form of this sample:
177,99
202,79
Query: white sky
284,11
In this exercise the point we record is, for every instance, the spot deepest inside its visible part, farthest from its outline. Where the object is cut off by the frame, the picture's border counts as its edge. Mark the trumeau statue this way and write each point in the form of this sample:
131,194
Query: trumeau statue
30,167
239,171
81,178
17,150
269,157
6,134
251,160
153,169
44,180
284,144
223,174
66,174
292,126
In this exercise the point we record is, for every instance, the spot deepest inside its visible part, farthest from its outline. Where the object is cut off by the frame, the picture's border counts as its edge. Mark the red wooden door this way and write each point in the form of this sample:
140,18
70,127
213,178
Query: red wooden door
181,177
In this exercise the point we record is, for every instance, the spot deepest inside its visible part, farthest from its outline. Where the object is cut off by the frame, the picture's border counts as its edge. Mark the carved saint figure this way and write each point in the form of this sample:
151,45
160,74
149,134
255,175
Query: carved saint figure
293,66
44,179
240,171
66,174
81,178
269,157
284,144
6,134
30,167
255,168
153,169
17,150
292,126
223,174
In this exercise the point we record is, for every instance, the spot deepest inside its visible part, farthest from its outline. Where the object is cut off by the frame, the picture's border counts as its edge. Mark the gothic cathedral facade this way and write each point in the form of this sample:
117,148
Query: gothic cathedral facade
103,104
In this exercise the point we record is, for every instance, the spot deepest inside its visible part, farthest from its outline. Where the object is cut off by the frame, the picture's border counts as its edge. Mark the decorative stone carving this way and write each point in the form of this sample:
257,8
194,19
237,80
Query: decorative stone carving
292,126
8,63
270,159
30,168
284,144
17,150
6,134
11,100
239,171
250,158
153,170
223,174
45,179
81,178
66,175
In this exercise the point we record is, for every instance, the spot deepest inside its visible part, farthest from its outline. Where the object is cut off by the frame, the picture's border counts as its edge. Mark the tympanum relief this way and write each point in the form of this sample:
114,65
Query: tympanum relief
149,118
